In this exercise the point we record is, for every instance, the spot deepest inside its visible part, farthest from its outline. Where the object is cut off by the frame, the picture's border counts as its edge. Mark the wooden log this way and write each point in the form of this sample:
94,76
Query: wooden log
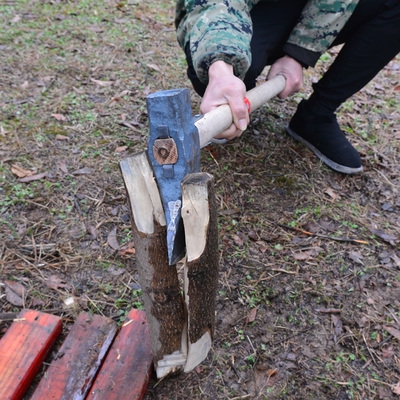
162,297
201,267
23,348
127,369
72,372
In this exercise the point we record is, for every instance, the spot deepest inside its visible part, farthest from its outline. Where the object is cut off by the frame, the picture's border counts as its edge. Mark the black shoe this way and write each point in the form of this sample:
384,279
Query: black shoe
323,136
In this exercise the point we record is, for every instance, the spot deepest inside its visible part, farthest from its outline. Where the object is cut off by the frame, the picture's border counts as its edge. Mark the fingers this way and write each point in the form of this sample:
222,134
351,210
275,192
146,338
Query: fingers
225,88
293,73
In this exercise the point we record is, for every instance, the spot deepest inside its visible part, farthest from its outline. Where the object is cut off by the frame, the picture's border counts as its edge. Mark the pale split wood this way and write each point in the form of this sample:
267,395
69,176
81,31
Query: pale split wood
162,297
201,264
143,192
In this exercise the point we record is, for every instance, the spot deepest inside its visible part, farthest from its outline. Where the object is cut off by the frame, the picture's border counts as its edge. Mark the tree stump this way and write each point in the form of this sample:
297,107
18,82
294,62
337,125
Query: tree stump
162,297
201,264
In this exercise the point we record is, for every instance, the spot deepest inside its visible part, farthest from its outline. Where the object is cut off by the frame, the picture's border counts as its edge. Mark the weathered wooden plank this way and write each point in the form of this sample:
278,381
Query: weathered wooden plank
199,215
72,372
162,297
23,349
127,368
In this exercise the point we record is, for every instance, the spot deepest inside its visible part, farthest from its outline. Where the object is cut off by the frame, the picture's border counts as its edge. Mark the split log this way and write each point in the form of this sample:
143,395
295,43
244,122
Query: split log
201,267
127,369
23,349
72,372
162,297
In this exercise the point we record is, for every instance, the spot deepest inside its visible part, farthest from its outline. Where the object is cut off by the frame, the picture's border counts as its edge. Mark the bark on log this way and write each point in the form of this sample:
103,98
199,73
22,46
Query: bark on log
201,266
162,297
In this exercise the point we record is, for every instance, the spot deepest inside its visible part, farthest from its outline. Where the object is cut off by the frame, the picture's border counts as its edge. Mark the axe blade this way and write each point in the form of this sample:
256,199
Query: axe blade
174,152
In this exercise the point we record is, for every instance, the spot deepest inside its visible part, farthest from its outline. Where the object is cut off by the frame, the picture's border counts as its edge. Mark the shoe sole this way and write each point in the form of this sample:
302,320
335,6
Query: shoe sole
331,164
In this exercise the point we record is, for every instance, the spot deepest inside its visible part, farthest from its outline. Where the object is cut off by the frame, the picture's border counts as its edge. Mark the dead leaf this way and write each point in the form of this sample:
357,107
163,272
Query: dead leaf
383,235
396,388
388,352
20,172
63,167
102,83
394,332
329,191
25,85
337,326
59,117
121,149
112,239
15,293
62,137
252,315
154,66
238,240
55,282
356,257
16,19
272,372
32,178
82,171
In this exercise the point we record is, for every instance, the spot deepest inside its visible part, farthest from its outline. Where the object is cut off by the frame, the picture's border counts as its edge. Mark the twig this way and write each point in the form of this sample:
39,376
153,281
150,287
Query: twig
338,239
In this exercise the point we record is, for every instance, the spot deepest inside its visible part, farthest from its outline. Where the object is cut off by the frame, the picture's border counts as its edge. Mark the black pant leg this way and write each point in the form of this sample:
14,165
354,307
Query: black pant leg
371,40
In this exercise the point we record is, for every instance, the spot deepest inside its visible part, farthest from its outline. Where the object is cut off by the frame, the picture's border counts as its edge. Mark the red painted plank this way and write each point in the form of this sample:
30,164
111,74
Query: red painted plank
23,349
72,372
127,369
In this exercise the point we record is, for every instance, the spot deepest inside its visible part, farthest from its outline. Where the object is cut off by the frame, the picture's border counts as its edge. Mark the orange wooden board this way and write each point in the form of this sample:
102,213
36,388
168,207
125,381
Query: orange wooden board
127,369
72,372
23,349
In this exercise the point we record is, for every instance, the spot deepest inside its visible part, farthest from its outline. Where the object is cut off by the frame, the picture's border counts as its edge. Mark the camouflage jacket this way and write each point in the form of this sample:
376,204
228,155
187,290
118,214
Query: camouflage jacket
222,30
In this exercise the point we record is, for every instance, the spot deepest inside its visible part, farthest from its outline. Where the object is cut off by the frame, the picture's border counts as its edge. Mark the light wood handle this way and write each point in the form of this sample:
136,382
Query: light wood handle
216,121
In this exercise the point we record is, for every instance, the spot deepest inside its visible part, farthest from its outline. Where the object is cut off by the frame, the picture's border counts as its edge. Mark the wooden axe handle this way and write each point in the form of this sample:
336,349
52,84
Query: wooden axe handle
216,121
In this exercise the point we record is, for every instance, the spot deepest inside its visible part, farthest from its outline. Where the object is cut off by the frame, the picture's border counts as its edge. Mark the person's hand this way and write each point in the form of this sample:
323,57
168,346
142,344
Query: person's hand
293,73
225,88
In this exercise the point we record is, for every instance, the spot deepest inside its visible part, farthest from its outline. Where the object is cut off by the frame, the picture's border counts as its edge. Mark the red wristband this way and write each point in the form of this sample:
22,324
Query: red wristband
247,102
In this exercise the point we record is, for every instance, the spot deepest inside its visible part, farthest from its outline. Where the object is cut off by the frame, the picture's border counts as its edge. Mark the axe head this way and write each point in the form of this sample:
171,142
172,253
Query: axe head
174,152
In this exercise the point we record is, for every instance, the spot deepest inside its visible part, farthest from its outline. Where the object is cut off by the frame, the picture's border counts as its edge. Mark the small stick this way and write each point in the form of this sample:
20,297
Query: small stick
338,239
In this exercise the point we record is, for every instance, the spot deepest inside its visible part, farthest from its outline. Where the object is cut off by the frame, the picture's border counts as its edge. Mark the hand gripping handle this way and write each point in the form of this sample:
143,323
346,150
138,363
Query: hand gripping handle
216,121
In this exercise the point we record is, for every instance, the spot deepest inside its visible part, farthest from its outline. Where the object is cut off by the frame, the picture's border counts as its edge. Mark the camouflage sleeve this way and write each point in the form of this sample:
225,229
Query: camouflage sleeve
216,30
319,24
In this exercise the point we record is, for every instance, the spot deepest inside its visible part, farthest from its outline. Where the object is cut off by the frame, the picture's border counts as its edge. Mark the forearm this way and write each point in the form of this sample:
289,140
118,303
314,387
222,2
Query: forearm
217,33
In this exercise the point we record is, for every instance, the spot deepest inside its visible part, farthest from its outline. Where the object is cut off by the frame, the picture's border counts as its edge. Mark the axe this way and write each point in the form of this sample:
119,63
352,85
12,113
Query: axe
174,145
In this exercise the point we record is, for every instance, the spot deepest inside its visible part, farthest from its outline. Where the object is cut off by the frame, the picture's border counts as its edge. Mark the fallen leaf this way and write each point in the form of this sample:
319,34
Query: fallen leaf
388,352
59,117
238,240
16,19
20,172
394,332
32,178
252,315
55,282
396,388
272,372
331,193
82,171
383,235
121,149
15,293
102,83
112,239
63,167
25,85
356,257
155,67
62,137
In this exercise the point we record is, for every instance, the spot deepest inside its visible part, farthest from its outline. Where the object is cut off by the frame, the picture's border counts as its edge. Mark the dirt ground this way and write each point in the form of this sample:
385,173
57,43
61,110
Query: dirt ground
308,300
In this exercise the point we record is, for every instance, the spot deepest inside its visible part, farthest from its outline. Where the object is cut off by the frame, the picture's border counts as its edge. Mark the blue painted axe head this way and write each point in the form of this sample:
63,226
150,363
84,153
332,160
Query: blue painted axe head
174,152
